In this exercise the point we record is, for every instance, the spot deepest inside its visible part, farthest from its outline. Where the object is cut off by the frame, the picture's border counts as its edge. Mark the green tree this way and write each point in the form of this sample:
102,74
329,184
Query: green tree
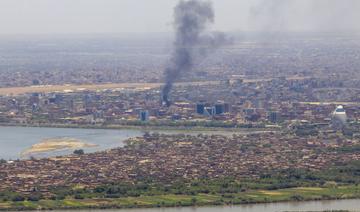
79,152
35,197
18,198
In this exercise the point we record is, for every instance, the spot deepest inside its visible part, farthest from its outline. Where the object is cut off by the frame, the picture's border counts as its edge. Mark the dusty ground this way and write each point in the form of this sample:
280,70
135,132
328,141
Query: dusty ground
73,88
94,87
49,145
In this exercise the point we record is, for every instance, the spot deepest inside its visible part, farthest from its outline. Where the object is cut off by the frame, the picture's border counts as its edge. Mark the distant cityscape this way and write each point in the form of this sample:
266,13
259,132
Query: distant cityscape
294,112
255,82
94,59
235,102
250,105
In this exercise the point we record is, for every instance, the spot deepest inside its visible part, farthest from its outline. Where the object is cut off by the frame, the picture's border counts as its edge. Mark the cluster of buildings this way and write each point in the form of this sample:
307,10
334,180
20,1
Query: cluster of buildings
232,102
75,60
167,158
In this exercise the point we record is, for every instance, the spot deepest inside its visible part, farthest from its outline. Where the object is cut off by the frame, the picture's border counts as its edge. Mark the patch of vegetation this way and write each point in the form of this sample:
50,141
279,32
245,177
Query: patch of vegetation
79,152
172,200
339,182
348,149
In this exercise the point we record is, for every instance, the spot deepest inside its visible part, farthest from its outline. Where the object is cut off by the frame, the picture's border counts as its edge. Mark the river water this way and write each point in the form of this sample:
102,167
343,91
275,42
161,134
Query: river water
14,140
352,205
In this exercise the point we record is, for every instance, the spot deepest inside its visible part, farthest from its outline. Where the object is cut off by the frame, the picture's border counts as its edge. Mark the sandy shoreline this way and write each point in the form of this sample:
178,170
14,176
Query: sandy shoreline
55,144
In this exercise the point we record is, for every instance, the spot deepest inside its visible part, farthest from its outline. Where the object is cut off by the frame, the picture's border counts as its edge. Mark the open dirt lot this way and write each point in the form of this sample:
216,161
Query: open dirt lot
73,88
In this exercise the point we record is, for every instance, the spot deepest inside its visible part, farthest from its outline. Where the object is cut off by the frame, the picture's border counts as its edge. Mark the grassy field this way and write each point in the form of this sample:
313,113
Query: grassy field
171,200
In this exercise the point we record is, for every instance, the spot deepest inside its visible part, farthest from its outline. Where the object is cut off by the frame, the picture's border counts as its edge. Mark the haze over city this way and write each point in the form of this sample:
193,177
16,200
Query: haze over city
148,104
143,16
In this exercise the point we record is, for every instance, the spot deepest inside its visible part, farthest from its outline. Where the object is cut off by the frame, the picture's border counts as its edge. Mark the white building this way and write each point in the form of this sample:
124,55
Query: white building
339,117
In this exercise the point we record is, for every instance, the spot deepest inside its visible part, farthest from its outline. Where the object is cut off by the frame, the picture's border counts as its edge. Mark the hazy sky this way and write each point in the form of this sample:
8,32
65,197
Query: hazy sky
116,16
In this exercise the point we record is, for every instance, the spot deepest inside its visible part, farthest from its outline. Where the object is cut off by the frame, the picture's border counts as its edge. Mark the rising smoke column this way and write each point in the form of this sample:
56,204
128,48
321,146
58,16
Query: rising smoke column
191,18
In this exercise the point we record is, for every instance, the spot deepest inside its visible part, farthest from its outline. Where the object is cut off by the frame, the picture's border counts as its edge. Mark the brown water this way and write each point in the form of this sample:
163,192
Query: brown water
352,205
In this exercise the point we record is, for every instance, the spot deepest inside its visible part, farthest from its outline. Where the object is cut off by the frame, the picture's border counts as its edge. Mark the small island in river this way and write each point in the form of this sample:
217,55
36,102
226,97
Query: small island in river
56,144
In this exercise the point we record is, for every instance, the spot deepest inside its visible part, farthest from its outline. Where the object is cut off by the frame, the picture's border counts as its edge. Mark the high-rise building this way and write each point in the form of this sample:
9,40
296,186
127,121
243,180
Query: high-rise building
274,116
227,108
339,118
144,115
210,110
219,108
200,108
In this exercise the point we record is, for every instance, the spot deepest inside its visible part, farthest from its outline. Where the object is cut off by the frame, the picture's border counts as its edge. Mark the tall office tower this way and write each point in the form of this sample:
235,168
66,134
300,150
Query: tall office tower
339,118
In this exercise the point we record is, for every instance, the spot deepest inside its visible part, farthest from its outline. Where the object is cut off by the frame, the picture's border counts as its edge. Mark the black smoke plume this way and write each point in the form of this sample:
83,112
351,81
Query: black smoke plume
191,19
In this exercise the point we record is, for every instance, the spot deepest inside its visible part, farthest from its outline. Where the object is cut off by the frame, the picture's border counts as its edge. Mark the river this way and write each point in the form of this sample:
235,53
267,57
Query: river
14,140
352,205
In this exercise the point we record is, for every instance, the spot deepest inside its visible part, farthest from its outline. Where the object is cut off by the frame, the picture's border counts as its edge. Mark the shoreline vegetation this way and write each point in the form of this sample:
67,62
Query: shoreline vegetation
150,127
298,194
336,183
